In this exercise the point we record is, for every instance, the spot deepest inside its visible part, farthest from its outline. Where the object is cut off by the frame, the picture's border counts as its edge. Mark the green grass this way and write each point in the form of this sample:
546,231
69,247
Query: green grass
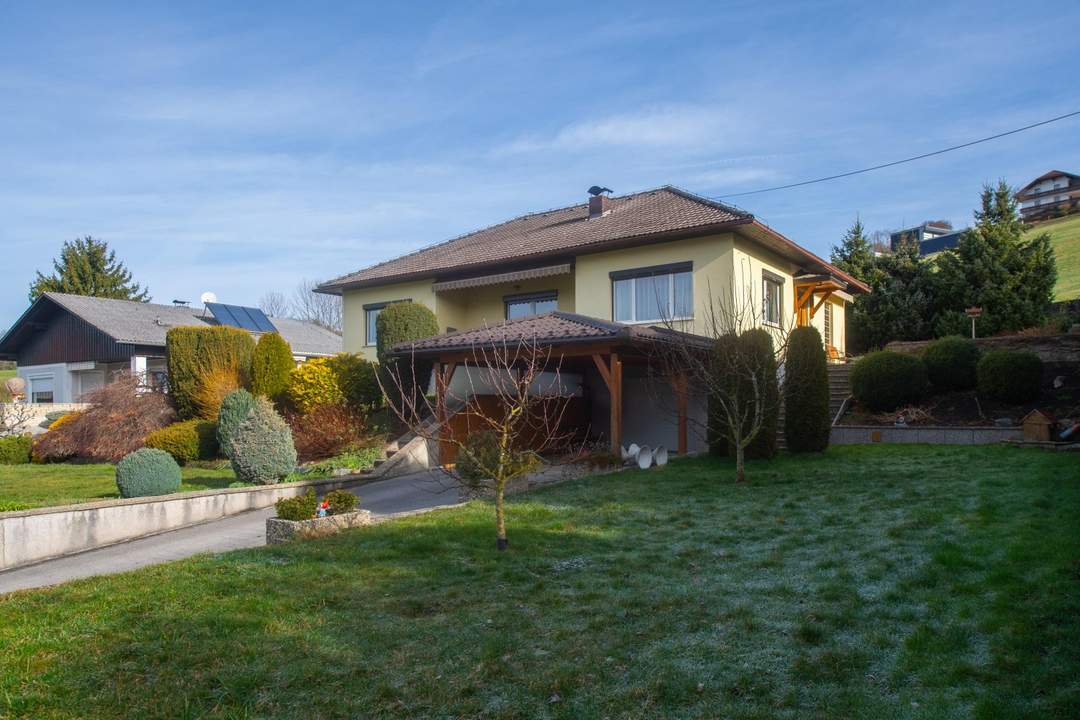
61,484
4,375
875,582
1065,237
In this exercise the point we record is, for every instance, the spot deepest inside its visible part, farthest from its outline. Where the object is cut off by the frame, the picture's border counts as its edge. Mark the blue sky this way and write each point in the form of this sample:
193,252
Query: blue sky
241,149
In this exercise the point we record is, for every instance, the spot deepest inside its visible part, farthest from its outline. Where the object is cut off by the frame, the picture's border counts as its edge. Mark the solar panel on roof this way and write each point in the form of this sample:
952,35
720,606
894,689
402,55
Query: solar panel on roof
246,318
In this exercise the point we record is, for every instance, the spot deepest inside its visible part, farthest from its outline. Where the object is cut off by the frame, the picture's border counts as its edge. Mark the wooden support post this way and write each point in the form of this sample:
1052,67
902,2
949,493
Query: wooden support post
615,386
828,294
681,400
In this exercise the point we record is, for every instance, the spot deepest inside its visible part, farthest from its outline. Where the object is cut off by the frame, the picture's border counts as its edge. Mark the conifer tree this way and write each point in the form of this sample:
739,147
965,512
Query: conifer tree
88,267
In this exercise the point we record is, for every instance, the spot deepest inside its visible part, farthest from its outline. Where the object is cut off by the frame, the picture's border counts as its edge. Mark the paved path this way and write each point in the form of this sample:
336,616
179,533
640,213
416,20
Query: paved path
384,497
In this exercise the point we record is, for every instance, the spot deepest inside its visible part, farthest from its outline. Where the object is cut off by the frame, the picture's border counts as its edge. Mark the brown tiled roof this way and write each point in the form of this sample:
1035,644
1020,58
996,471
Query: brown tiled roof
555,232
554,328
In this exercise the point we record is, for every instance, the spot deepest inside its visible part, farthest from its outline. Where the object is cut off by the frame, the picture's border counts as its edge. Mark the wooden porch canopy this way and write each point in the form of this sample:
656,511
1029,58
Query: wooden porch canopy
604,345
806,288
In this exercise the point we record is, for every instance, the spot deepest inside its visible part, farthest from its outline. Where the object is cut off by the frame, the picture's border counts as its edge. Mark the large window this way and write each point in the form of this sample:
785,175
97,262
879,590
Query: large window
772,293
527,305
371,315
665,292
41,389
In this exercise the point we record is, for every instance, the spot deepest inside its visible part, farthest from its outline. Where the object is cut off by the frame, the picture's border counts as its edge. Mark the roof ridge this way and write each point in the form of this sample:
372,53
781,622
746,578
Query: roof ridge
463,236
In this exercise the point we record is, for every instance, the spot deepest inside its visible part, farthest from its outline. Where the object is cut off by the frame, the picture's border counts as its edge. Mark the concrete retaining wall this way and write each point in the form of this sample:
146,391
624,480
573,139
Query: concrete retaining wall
938,435
30,536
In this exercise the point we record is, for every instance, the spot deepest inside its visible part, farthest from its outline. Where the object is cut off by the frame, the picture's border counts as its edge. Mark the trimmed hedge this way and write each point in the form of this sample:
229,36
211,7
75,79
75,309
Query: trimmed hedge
192,352
356,378
807,421
271,364
235,409
186,441
401,322
313,384
301,507
1011,377
886,380
147,472
262,450
950,363
15,450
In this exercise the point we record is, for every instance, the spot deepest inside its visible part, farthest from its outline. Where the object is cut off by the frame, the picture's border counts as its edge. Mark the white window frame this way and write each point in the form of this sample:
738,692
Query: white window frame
768,279
659,271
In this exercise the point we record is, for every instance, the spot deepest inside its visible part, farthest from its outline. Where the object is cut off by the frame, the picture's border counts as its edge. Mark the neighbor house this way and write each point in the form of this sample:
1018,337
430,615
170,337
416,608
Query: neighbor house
67,345
600,281
1049,195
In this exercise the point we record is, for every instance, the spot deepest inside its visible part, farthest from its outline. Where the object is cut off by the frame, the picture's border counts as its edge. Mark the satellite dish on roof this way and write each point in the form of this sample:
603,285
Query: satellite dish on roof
207,297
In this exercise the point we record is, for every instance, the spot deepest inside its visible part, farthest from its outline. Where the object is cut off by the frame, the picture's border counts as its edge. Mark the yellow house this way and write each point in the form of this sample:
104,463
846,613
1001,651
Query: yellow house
660,257
612,259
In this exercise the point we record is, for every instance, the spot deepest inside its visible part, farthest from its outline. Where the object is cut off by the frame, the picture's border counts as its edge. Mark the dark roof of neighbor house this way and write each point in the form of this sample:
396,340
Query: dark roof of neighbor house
549,329
138,323
941,242
664,213
1047,176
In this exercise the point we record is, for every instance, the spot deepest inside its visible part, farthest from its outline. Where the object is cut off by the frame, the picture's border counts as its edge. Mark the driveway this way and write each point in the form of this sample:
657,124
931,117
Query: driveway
384,497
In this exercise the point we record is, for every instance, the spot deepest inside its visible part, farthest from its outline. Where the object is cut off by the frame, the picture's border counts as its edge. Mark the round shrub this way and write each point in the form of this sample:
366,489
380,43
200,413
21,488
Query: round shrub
479,459
807,420
301,507
235,408
15,450
262,448
186,441
1011,377
401,322
950,363
356,378
271,364
886,380
147,471
341,501
312,384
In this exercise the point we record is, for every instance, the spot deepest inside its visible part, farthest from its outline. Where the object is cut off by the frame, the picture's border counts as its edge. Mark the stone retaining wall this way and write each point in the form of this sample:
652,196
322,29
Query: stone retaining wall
1050,348
30,536
938,435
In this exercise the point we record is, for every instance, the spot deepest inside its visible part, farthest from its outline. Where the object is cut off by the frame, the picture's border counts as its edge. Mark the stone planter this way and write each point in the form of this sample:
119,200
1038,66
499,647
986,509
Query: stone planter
279,531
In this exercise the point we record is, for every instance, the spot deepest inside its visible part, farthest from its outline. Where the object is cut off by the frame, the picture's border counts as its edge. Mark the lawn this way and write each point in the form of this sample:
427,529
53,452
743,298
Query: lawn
873,582
4,375
61,484
1065,237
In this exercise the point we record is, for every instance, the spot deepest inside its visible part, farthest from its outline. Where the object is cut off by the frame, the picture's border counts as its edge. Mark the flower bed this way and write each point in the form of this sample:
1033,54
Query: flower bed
279,530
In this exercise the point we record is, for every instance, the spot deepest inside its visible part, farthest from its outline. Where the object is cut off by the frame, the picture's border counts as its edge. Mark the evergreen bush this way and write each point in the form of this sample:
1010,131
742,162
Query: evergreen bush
262,448
757,348
301,507
807,421
399,323
192,352
886,380
356,379
187,440
1011,377
15,450
950,363
312,384
235,408
147,472
341,501
271,363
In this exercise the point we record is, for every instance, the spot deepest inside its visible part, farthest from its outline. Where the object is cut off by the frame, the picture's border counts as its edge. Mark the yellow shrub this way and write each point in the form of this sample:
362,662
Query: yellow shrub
212,388
63,420
312,384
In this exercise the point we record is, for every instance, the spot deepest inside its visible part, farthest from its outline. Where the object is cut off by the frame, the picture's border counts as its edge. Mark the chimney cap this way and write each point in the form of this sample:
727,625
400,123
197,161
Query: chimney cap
597,190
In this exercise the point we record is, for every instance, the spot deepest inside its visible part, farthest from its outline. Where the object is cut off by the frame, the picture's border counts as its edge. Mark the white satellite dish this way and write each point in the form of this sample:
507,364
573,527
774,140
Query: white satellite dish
208,297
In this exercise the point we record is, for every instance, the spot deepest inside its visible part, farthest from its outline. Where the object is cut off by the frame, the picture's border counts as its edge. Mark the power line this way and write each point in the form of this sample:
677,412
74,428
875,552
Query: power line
899,162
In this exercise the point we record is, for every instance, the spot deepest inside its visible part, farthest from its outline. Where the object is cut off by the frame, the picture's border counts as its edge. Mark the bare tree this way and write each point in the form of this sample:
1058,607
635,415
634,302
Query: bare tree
15,418
513,391
319,308
731,373
275,304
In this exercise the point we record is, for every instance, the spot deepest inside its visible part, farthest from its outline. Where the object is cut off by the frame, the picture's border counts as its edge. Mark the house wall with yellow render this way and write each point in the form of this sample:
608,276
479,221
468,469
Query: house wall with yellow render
711,256
353,316
485,305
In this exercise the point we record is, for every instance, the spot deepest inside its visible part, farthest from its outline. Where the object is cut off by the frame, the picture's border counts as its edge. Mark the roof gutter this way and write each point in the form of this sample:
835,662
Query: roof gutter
336,288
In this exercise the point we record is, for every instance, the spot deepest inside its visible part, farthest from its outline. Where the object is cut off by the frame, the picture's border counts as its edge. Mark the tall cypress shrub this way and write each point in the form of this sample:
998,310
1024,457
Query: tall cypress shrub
806,392
194,352
757,347
271,364
398,323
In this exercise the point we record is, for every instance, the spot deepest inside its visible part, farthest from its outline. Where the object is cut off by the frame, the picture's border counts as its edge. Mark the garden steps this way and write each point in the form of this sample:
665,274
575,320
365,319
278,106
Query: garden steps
839,386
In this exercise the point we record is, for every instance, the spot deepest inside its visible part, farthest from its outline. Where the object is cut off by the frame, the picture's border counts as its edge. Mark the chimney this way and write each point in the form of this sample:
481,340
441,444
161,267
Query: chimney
599,205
